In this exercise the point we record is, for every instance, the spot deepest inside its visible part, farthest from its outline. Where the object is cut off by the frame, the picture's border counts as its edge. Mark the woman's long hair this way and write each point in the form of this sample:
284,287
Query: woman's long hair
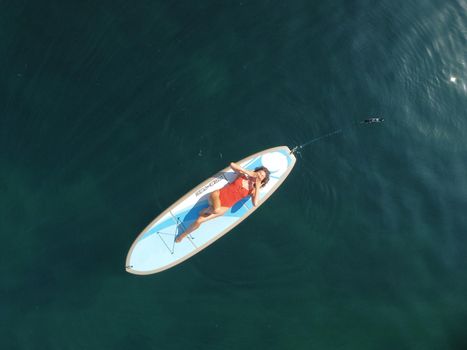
266,170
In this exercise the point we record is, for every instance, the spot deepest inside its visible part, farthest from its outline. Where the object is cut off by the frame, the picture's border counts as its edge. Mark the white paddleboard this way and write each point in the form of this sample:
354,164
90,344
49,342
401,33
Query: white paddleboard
155,250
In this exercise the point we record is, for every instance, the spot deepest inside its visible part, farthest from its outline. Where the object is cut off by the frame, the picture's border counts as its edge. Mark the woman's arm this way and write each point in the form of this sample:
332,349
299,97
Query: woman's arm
238,169
256,192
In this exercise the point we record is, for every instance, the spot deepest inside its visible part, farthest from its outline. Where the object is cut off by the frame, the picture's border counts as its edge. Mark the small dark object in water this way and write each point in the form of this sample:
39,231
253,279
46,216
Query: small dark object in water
373,120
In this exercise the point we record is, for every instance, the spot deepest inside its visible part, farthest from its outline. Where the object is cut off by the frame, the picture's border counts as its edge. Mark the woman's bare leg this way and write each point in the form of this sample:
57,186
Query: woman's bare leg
215,201
205,211
199,221
212,212
209,209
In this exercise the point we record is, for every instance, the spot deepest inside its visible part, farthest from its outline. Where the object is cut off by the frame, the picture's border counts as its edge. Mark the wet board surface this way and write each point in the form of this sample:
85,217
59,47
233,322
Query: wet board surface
155,250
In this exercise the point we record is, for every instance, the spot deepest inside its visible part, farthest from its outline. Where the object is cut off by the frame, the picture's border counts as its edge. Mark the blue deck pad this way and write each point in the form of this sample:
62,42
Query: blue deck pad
187,217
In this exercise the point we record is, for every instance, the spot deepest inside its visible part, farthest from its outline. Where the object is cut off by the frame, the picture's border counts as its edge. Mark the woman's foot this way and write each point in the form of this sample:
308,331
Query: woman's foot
189,230
179,238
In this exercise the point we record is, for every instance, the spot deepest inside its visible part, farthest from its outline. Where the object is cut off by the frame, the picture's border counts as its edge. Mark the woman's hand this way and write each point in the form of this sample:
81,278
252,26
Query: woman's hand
238,169
257,183
256,191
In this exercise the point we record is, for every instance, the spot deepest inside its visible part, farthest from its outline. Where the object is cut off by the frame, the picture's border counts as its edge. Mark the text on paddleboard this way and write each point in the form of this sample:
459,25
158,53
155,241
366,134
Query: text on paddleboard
212,183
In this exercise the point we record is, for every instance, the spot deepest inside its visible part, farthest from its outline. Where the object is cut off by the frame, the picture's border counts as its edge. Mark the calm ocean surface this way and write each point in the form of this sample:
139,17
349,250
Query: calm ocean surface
112,110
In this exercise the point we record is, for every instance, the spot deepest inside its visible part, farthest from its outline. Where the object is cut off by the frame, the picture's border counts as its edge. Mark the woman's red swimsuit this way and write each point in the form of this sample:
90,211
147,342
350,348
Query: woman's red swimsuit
233,192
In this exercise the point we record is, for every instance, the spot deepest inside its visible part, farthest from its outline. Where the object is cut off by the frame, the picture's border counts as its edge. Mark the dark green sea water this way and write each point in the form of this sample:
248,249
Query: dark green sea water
112,110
